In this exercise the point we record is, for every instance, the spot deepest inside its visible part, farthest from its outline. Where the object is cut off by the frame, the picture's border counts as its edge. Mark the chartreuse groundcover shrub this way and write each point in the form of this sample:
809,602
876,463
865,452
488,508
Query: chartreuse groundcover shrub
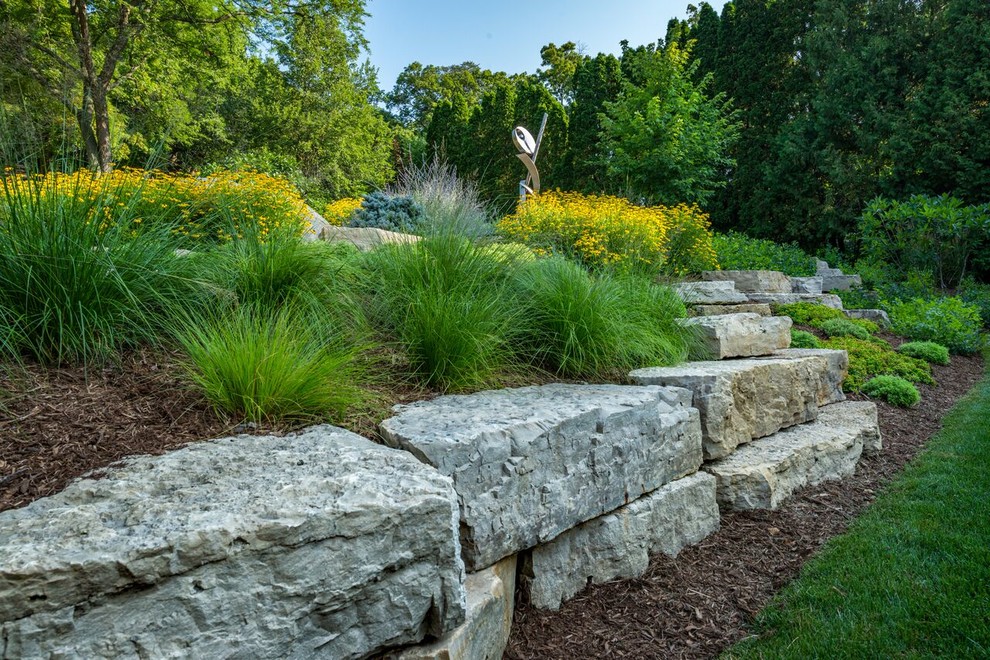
892,389
874,358
804,339
928,351
604,232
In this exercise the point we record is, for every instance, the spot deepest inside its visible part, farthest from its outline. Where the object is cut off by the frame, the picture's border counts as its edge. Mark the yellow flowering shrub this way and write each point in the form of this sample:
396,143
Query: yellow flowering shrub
208,208
606,231
339,213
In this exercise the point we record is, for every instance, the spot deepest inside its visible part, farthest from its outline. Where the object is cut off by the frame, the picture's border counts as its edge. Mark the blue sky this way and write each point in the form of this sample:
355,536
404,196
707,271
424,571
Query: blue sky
506,35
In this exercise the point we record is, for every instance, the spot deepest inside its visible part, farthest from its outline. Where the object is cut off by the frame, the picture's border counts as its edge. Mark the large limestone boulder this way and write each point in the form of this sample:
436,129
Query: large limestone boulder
858,417
321,543
878,316
718,310
619,544
741,335
530,463
764,473
709,293
827,299
485,633
833,279
740,400
364,238
837,368
806,285
751,281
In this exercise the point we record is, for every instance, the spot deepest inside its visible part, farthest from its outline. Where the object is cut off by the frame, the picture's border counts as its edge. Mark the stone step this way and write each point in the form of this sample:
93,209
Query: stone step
827,299
741,335
530,463
740,400
751,281
830,390
841,282
718,310
619,544
878,316
708,293
485,633
764,473
253,547
806,284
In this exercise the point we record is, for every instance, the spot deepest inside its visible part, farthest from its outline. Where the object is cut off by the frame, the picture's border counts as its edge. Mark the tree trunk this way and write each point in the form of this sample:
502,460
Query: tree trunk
101,113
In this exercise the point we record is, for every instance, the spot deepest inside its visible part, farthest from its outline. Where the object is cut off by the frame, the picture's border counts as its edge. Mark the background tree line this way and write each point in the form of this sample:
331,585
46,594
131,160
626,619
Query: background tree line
782,118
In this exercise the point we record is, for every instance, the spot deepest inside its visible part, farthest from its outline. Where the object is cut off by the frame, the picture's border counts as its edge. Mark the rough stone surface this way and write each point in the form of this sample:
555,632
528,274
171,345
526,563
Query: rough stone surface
251,546
827,299
490,600
741,335
833,279
751,281
766,472
744,308
830,389
878,316
364,238
858,417
532,462
317,225
709,293
740,400
619,544
806,284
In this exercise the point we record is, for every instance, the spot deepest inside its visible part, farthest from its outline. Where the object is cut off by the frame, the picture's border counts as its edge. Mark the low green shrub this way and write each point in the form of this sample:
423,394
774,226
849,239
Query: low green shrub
447,304
380,210
868,359
893,390
802,339
740,252
974,293
803,313
270,364
843,328
928,351
579,325
948,321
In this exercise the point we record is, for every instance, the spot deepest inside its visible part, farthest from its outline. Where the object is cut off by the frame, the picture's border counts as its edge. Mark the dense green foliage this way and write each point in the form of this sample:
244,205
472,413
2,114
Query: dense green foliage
928,351
875,358
946,320
804,339
976,294
911,577
804,313
892,389
740,252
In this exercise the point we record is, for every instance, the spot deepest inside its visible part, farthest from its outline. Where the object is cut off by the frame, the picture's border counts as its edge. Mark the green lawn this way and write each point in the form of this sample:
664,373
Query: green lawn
911,577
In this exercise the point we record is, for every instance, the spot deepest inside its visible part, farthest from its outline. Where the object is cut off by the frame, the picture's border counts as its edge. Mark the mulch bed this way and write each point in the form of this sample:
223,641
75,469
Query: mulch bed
701,602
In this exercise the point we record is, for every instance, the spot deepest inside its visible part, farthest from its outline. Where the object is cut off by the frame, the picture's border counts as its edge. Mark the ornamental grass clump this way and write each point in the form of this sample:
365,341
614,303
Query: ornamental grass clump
612,233
76,281
450,204
446,303
271,364
579,325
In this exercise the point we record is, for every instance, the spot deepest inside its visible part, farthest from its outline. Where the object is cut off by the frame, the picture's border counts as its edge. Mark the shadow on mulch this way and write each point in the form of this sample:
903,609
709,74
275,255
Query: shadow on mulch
701,602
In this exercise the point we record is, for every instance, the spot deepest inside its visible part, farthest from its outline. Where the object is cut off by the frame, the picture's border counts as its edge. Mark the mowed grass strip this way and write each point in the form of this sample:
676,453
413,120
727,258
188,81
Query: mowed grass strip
911,577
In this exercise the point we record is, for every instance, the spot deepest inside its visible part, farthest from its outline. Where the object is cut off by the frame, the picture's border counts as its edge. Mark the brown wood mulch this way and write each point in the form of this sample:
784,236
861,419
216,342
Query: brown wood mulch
701,602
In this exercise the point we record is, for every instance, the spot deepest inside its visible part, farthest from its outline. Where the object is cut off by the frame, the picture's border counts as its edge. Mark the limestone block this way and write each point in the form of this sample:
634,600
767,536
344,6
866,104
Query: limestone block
878,316
251,546
841,282
858,417
741,335
766,472
317,224
619,544
532,462
830,390
364,238
709,293
827,299
485,633
740,400
806,285
751,281
744,308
